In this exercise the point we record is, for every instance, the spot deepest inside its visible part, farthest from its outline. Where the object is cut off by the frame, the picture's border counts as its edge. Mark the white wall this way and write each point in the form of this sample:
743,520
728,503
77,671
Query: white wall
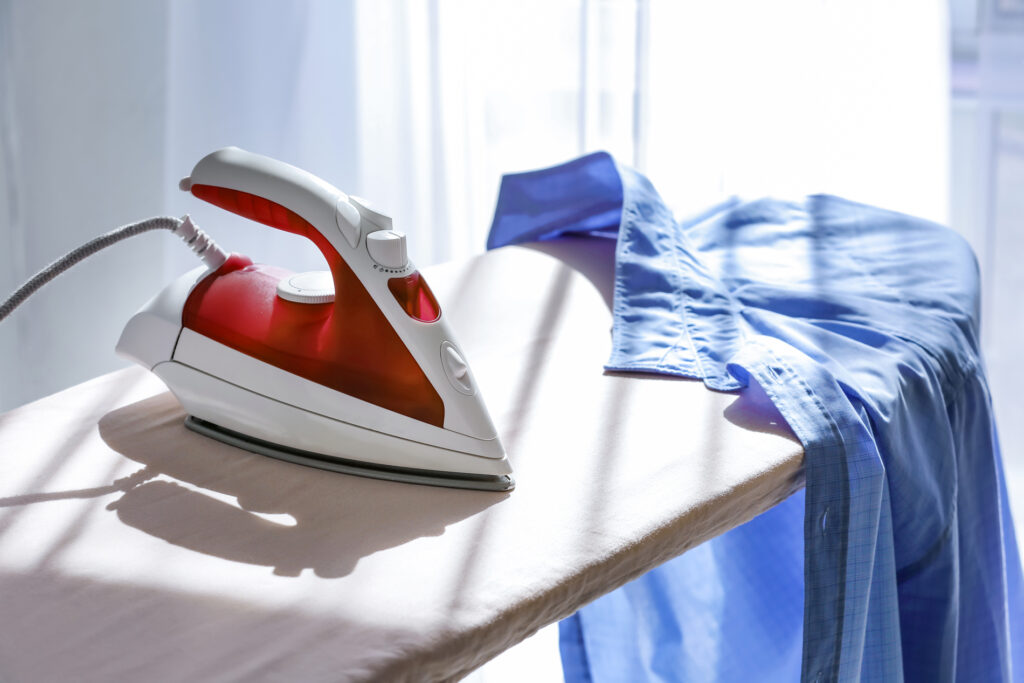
81,145
274,78
105,106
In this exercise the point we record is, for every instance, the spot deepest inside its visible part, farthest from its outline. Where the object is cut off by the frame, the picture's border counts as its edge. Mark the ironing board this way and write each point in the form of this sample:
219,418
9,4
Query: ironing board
133,549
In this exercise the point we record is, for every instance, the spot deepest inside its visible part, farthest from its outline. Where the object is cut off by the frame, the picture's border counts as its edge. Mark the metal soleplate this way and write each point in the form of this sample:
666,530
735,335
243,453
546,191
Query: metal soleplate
408,475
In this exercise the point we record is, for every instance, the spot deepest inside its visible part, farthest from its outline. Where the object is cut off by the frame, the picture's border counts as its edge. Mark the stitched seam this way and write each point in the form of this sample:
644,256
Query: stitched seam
833,427
621,248
685,310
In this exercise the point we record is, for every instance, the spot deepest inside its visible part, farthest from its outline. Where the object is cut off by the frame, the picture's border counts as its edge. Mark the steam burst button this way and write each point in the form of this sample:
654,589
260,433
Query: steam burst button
387,247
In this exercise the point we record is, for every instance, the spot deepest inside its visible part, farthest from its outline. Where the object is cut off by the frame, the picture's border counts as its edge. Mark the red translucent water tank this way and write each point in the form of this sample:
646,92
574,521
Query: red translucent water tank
347,345
415,297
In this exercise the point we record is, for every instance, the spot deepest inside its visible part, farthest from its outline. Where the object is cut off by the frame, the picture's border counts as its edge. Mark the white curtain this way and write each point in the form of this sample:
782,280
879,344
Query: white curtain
989,202
420,107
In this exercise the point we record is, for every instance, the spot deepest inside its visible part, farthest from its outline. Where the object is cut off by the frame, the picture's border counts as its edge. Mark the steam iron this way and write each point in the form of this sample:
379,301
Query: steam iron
355,370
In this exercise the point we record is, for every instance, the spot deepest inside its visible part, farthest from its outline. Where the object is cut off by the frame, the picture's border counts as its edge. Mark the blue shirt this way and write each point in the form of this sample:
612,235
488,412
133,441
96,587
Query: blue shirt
898,560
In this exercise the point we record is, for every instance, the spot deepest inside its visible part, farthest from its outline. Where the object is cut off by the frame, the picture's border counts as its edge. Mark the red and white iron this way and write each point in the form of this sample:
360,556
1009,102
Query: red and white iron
355,370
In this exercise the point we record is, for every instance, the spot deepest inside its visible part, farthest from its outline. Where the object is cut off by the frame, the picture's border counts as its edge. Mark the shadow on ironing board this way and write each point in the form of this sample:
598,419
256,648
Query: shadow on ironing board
200,494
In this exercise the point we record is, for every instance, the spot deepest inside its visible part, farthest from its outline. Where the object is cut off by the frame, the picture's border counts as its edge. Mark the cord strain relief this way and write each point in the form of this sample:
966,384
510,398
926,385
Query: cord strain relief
201,243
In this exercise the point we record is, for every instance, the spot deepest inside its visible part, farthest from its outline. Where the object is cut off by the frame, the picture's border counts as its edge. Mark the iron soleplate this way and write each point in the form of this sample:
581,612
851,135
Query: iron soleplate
408,475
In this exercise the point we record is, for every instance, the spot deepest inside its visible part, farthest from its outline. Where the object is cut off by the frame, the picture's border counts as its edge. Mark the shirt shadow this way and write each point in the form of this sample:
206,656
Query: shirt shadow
591,257
211,498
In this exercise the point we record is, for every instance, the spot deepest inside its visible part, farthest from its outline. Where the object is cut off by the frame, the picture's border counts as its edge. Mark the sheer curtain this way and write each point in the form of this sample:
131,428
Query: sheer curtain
988,203
420,106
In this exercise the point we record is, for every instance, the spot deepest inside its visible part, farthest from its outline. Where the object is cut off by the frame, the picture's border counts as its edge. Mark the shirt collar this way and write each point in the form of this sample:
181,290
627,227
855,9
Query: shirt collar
671,315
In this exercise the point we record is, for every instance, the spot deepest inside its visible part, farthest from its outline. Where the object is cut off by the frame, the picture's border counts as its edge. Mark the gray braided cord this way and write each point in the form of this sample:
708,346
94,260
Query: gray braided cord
88,249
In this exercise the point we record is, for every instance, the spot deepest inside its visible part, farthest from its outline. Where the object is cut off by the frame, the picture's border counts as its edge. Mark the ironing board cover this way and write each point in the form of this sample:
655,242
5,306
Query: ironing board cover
899,558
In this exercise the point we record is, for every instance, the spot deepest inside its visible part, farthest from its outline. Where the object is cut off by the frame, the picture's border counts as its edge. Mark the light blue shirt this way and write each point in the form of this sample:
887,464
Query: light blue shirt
898,561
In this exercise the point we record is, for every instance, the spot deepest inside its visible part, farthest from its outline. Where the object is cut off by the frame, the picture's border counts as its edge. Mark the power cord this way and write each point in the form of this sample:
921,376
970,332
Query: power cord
201,243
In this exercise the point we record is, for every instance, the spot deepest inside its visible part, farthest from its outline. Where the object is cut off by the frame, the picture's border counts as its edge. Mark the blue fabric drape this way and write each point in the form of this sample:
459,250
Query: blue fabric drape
899,558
